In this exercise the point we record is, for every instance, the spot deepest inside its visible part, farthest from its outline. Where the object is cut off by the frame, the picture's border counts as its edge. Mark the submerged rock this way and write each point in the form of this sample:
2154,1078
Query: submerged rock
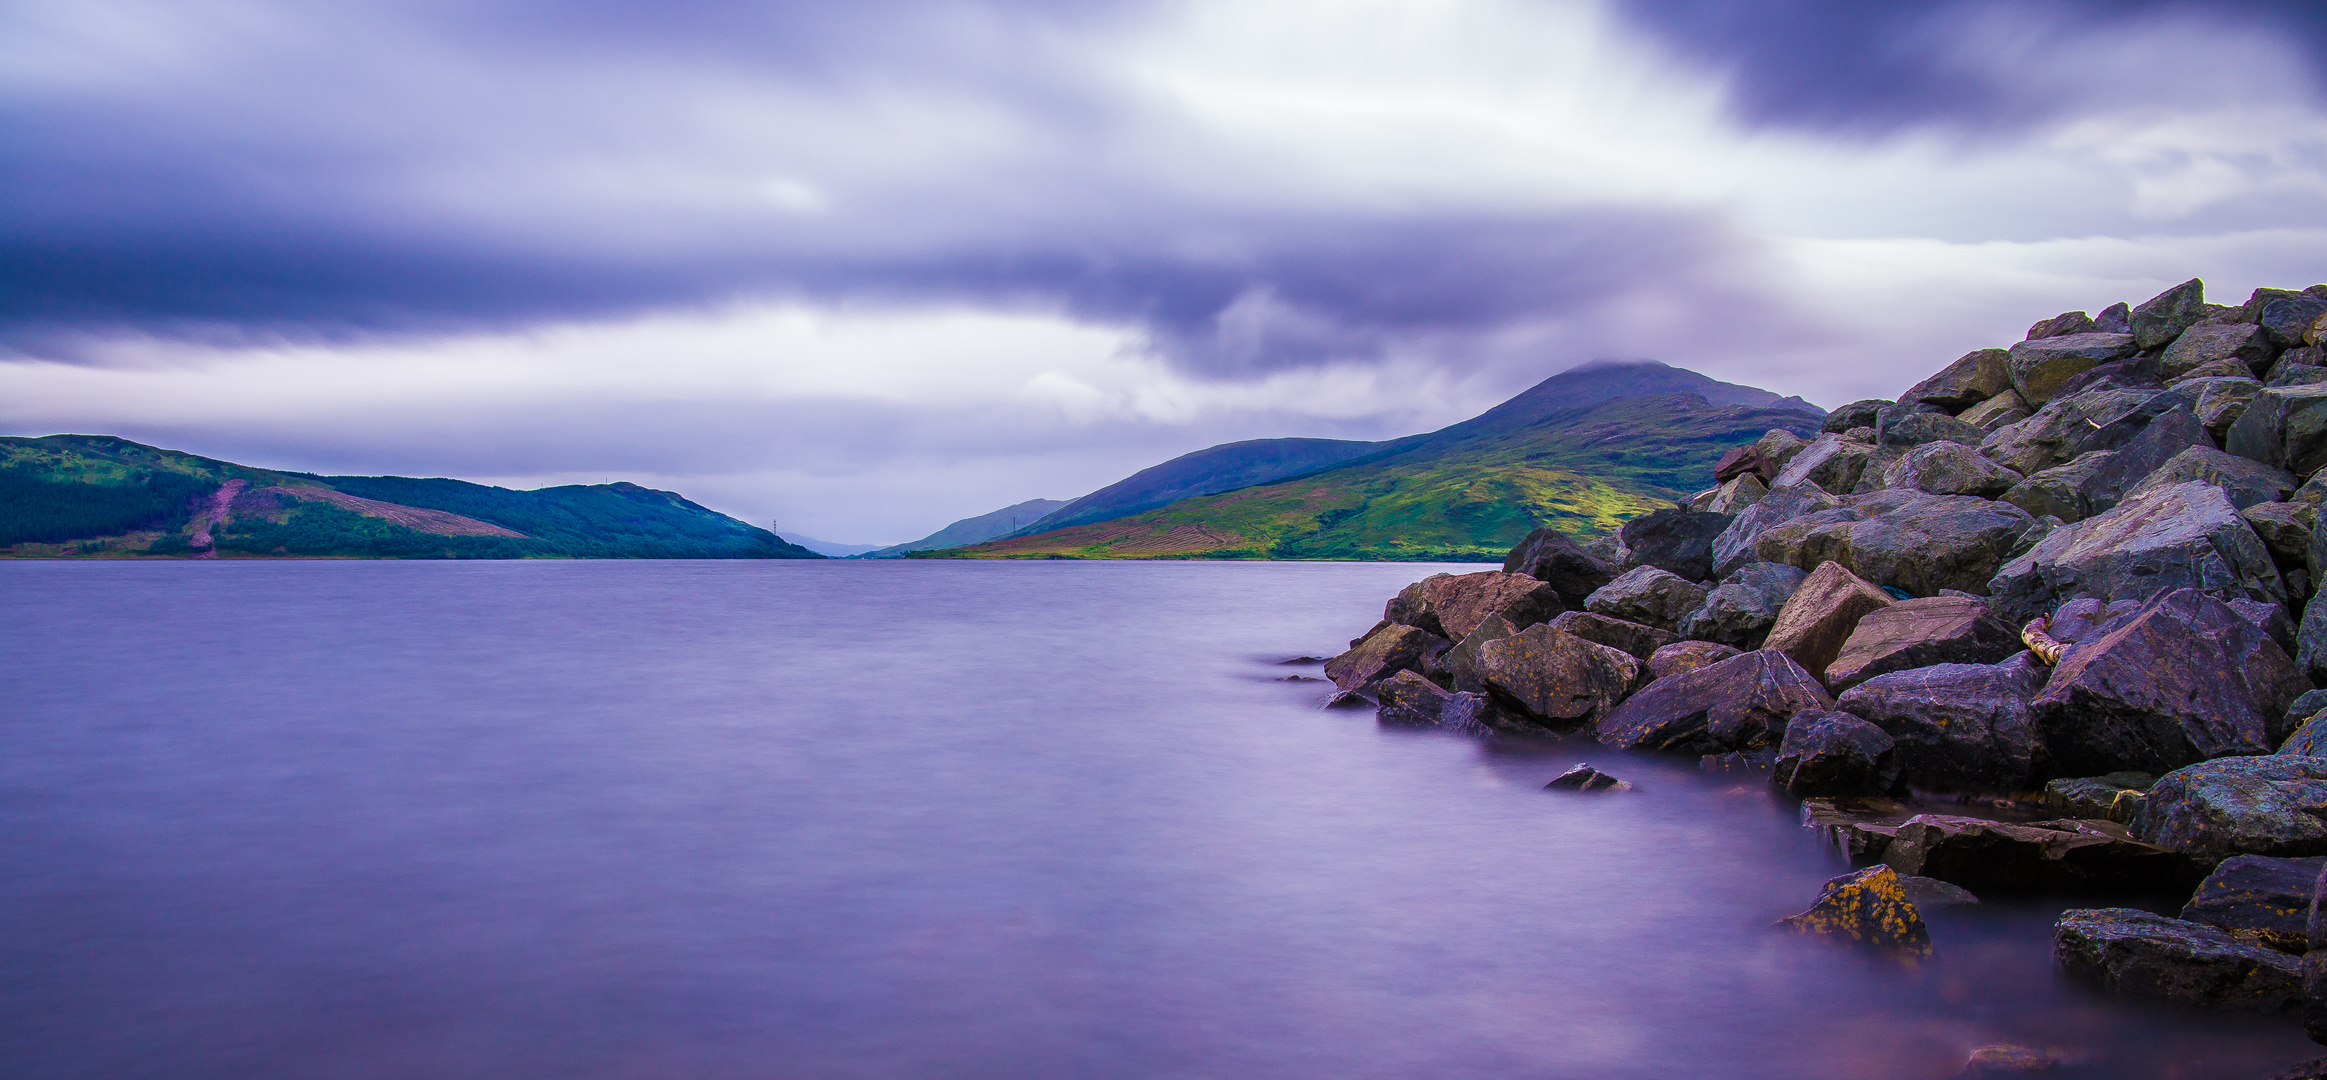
1586,780
1868,908
2260,899
2210,811
1742,703
2155,958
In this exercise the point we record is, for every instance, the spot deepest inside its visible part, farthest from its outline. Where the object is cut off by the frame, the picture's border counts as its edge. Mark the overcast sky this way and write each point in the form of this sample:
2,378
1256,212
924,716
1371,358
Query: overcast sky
867,268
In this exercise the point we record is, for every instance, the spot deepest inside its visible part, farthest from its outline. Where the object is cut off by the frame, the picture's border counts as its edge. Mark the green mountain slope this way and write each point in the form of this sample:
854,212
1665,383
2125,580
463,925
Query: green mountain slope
973,530
96,495
1226,467
1467,492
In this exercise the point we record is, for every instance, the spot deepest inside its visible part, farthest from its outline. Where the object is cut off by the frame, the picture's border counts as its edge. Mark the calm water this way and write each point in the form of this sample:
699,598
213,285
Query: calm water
889,820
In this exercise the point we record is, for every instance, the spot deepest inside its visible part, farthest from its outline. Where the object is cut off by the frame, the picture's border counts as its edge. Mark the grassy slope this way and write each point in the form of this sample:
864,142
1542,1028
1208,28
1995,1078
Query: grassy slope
1469,496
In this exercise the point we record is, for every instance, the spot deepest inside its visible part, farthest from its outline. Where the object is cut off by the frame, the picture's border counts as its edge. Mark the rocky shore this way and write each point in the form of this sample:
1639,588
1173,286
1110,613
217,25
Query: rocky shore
2063,590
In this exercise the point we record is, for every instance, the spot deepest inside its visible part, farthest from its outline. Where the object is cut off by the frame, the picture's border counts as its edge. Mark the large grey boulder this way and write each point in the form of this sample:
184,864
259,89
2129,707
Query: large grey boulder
1683,656
2282,529
1821,614
1675,540
2244,481
1650,596
2067,322
1831,462
2220,402
1556,679
1918,542
2168,434
2162,318
2005,408
1639,640
1964,727
1835,753
1949,468
2150,957
2285,426
1919,633
2061,491
2185,679
1389,649
1742,703
1738,493
2274,805
2203,344
1735,546
1549,556
2259,897
2039,367
1741,610
1921,428
2076,424
2286,319
2178,535
1857,414
1975,377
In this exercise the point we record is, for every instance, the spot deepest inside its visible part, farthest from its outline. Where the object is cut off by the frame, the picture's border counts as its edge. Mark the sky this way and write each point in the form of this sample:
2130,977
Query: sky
863,269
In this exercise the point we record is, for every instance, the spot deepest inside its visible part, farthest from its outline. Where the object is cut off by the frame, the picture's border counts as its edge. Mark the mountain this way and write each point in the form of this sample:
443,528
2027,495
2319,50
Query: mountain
830,549
96,495
1582,451
1003,522
1226,467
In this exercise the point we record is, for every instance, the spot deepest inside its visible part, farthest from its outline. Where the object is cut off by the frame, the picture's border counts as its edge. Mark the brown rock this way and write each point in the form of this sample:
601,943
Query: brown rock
2029,857
2004,408
1742,703
1683,656
1462,603
1556,679
1639,640
1743,461
1549,556
1462,661
1919,633
1819,618
1388,650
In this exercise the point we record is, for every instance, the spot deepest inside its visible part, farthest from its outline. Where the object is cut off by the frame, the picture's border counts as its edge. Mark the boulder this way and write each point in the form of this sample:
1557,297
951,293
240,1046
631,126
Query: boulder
2287,319
1462,661
2068,322
1674,540
2162,318
2077,424
2260,899
2244,481
1831,462
2225,368
2285,426
2088,619
2154,958
2281,528
1860,828
1821,614
2117,318
1977,376
1857,414
2039,367
2311,637
1548,556
2167,537
1741,610
1918,542
1556,679
2296,372
2219,402
1411,607
1835,753
2310,497
2210,811
1461,603
1869,909
2060,491
1683,656
2316,336
2185,679
1733,496
1753,764
2116,797
2005,408
1638,640
2244,343
1409,700
2252,311
1961,727
1920,633
2031,856
1745,460
2307,356
2271,619
1924,428
1586,780
2169,434
1949,468
1777,446
1742,703
1735,546
2309,738
1651,596
1389,649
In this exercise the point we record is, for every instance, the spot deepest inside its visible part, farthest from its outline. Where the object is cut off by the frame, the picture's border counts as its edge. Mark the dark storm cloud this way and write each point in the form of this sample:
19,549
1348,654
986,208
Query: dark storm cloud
1974,67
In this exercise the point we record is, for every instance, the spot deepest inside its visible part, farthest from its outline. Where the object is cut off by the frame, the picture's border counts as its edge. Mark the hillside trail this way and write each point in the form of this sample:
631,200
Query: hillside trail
213,514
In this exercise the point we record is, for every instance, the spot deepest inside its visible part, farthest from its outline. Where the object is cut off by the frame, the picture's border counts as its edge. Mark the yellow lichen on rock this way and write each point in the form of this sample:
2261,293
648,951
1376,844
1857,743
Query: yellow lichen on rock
1868,908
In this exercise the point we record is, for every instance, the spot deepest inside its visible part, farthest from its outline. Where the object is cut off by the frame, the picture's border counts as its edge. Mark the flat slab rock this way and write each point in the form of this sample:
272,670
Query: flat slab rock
2260,899
1919,633
2273,805
1742,703
2031,857
2154,958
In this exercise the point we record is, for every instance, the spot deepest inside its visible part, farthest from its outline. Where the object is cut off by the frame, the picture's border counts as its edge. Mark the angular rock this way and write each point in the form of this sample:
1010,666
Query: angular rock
2060,491
1462,661
1673,540
1742,703
1821,614
1411,607
1831,462
1551,557
1556,679
1868,908
2210,811
2116,797
2214,369
1731,497
1857,414
2168,435
2069,322
2282,530
1918,542
2309,738
2307,356
1861,828
1962,727
1975,377
2154,958
2162,318
2005,408
1777,446
2117,318
2007,1059
1920,429
1741,610
1735,546
2316,336
2186,679
2088,619
1386,651
2039,367
1586,780
2271,619
2219,402
2294,372
1461,603
2287,319
1348,699
1683,656
1638,640
2244,343
2285,426
1741,763
2077,424
2168,537
2031,857
1743,461
1920,633
2252,310
1949,468
2260,899
2245,482
1651,596
1835,753
1929,892
1409,700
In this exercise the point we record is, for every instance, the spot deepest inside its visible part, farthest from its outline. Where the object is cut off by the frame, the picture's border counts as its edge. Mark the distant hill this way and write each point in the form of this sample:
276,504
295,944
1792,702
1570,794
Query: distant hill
100,496
983,527
830,549
1582,451
1226,467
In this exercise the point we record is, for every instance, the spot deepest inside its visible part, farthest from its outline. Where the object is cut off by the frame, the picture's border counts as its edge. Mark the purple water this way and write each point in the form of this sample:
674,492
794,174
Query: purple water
907,819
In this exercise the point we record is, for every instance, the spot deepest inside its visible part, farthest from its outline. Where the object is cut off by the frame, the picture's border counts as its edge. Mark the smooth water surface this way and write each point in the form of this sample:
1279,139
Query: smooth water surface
899,819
